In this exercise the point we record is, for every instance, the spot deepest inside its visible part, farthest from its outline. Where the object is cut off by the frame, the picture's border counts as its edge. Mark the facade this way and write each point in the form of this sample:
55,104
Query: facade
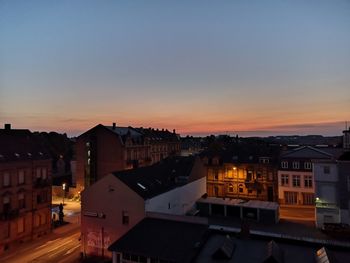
296,184
124,198
332,182
105,149
249,178
25,187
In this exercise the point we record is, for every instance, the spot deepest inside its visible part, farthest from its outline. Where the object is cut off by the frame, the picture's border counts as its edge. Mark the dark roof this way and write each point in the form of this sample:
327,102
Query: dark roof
243,152
159,178
345,157
137,135
169,240
21,144
308,152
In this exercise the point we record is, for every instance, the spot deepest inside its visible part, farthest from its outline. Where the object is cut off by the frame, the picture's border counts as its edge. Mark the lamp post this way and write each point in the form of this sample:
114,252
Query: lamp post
64,190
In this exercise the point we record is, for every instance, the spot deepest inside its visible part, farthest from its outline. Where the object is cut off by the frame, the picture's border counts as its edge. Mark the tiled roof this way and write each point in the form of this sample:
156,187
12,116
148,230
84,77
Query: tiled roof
164,239
159,178
19,145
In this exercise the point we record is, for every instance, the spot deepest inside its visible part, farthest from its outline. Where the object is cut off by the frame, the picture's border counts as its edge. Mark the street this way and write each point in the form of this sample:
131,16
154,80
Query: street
62,245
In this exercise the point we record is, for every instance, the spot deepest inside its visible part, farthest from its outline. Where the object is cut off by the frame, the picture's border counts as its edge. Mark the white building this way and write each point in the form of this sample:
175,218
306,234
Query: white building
117,202
332,182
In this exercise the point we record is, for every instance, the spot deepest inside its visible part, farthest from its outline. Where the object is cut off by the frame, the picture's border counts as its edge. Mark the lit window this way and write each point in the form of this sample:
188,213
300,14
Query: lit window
230,188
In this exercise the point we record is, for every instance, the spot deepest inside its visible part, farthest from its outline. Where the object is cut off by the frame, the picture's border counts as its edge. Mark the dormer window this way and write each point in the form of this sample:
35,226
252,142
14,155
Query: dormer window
295,165
284,164
307,165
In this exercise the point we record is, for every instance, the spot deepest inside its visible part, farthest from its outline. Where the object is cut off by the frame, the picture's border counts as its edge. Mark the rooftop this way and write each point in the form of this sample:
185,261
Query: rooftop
240,202
164,239
21,144
159,178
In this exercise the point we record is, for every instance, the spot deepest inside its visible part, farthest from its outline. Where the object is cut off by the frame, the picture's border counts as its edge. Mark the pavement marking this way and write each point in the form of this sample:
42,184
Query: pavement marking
71,250
48,243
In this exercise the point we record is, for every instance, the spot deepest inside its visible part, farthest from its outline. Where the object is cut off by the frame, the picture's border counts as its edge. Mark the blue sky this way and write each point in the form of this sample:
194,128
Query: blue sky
197,66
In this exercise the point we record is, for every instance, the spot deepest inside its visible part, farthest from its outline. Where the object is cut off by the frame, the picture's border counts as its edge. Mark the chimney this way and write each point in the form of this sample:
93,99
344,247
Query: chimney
7,126
114,125
174,131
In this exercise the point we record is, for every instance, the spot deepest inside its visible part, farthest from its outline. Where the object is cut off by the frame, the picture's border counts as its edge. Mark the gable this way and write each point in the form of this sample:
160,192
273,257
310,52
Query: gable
307,153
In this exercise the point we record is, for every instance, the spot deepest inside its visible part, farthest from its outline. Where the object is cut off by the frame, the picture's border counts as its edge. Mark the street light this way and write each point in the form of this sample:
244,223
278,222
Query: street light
64,190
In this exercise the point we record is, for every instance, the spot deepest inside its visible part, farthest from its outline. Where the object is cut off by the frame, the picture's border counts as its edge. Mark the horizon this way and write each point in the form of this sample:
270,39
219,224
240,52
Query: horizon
194,66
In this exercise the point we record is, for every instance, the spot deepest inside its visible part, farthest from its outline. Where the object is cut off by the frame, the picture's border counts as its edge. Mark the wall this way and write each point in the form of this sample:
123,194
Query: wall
179,200
109,197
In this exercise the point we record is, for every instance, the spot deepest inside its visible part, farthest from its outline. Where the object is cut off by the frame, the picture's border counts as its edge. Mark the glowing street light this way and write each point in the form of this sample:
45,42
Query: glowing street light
64,190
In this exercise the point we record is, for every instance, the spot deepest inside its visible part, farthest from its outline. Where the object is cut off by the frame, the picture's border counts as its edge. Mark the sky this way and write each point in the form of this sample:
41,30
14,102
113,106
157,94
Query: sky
253,68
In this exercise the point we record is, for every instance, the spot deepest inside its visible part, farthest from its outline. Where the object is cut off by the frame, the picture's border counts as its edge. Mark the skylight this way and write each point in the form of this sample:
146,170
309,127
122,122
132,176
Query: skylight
142,186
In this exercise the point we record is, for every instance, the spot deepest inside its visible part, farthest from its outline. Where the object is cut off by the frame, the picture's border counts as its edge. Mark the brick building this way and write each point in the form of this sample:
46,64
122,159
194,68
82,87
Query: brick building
241,173
105,149
25,187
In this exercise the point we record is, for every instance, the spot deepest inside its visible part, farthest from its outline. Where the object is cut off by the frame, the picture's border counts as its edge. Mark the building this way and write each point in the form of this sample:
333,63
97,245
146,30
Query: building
120,200
25,187
296,184
332,183
160,240
241,174
167,240
104,149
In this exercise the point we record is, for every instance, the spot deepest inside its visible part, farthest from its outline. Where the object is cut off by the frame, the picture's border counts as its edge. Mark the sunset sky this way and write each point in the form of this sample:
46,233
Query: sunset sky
201,67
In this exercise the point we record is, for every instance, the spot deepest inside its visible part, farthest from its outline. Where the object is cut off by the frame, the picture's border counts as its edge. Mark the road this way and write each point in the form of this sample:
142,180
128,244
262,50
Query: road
297,213
62,245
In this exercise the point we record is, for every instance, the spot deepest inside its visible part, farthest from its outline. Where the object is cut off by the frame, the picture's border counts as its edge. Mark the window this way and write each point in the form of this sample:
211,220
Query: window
230,188
307,165
308,199
20,225
258,175
250,191
38,172
125,218
308,181
295,165
6,179
285,180
216,191
240,188
216,175
44,173
290,198
326,169
6,204
296,180
249,175
21,176
284,164
21,201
